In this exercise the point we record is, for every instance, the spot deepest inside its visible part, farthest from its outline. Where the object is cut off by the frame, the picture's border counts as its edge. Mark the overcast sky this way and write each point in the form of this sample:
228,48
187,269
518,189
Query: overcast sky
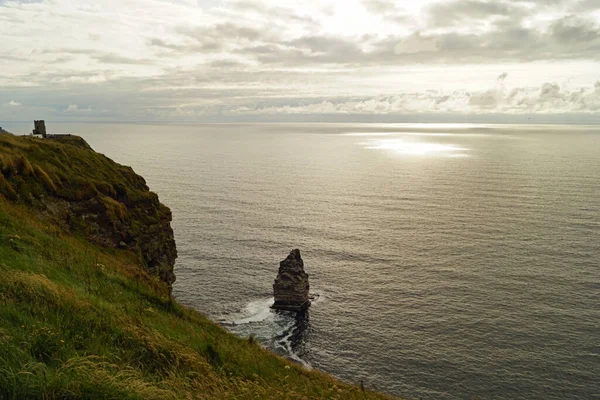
230,60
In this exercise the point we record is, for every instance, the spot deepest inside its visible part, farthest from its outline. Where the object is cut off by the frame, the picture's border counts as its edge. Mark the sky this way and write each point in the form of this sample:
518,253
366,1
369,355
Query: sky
278,60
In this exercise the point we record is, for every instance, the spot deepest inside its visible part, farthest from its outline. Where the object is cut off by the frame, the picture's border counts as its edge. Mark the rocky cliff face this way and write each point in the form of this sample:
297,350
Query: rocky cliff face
291,285
86,193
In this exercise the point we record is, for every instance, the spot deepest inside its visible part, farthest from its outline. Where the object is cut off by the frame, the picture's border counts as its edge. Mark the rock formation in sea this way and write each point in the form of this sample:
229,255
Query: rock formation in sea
291,285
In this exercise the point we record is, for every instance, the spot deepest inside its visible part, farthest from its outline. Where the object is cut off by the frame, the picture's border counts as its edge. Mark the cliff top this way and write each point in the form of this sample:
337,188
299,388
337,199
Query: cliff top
86,193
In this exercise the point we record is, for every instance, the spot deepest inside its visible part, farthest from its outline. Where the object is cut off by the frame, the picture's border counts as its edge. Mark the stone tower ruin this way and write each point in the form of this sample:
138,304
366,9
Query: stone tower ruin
40,128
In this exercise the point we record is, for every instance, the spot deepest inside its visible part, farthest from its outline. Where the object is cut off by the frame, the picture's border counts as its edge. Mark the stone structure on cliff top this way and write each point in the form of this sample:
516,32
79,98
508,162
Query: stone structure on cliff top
291,285
39,128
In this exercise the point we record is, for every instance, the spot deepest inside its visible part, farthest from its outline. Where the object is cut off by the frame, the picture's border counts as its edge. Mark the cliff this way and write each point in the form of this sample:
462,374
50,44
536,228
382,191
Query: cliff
86,193
82,316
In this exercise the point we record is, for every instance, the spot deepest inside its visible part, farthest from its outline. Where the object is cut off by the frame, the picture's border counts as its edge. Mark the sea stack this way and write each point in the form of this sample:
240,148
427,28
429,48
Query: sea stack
291,285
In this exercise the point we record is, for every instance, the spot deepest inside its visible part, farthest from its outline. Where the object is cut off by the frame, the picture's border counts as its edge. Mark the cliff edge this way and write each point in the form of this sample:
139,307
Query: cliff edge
86,193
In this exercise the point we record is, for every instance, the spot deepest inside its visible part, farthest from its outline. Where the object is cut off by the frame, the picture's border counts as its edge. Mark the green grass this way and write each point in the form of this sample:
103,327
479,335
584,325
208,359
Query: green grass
63,177
82,321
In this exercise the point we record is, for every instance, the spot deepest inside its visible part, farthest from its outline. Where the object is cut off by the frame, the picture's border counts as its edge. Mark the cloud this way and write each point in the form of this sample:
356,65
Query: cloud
573,38
547,99
574,30
567,38
238,58
380,6
100,56
446,13
73,108
117,59
388,10
484,100
587,5
14,103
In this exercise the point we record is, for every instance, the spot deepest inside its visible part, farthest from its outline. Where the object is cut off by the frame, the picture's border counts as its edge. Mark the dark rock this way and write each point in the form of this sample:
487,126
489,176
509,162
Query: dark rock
145,229
291,285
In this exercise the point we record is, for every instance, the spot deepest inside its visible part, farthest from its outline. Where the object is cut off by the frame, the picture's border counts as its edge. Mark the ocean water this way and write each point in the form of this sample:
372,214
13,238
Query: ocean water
450,261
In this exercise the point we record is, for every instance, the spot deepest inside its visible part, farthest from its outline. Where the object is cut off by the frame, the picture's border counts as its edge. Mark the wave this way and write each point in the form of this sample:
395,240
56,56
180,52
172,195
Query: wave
282,331
255,311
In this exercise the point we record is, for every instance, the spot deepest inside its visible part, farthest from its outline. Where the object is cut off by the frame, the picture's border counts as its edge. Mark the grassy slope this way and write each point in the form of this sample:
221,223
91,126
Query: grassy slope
77,320
49,174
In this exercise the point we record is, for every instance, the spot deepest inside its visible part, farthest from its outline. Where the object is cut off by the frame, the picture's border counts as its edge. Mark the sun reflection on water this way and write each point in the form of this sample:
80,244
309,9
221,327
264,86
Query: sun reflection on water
400,146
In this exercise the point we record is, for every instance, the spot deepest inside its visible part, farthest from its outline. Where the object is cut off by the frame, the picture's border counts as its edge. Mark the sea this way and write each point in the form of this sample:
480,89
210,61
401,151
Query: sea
447,261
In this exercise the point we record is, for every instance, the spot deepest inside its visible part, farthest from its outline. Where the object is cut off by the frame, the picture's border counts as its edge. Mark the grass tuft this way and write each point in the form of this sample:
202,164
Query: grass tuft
46,180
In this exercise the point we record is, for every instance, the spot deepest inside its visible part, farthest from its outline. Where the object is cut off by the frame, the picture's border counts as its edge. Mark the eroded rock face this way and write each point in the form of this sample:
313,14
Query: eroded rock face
87,194
291,285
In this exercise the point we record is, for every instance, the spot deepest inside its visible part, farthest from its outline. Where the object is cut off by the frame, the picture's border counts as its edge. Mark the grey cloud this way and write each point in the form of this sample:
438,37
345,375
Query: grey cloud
8,56
504,43
574,30
257,64
325,45
587,5
262,49
380,6
275,14
224,63
388,10
20,1
550,91
222,31
156,42
207,45
117,59
457,11
487,99
442,99
100,56
66,50
209,39
115,100
547,99
321,49
567,38
61,60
